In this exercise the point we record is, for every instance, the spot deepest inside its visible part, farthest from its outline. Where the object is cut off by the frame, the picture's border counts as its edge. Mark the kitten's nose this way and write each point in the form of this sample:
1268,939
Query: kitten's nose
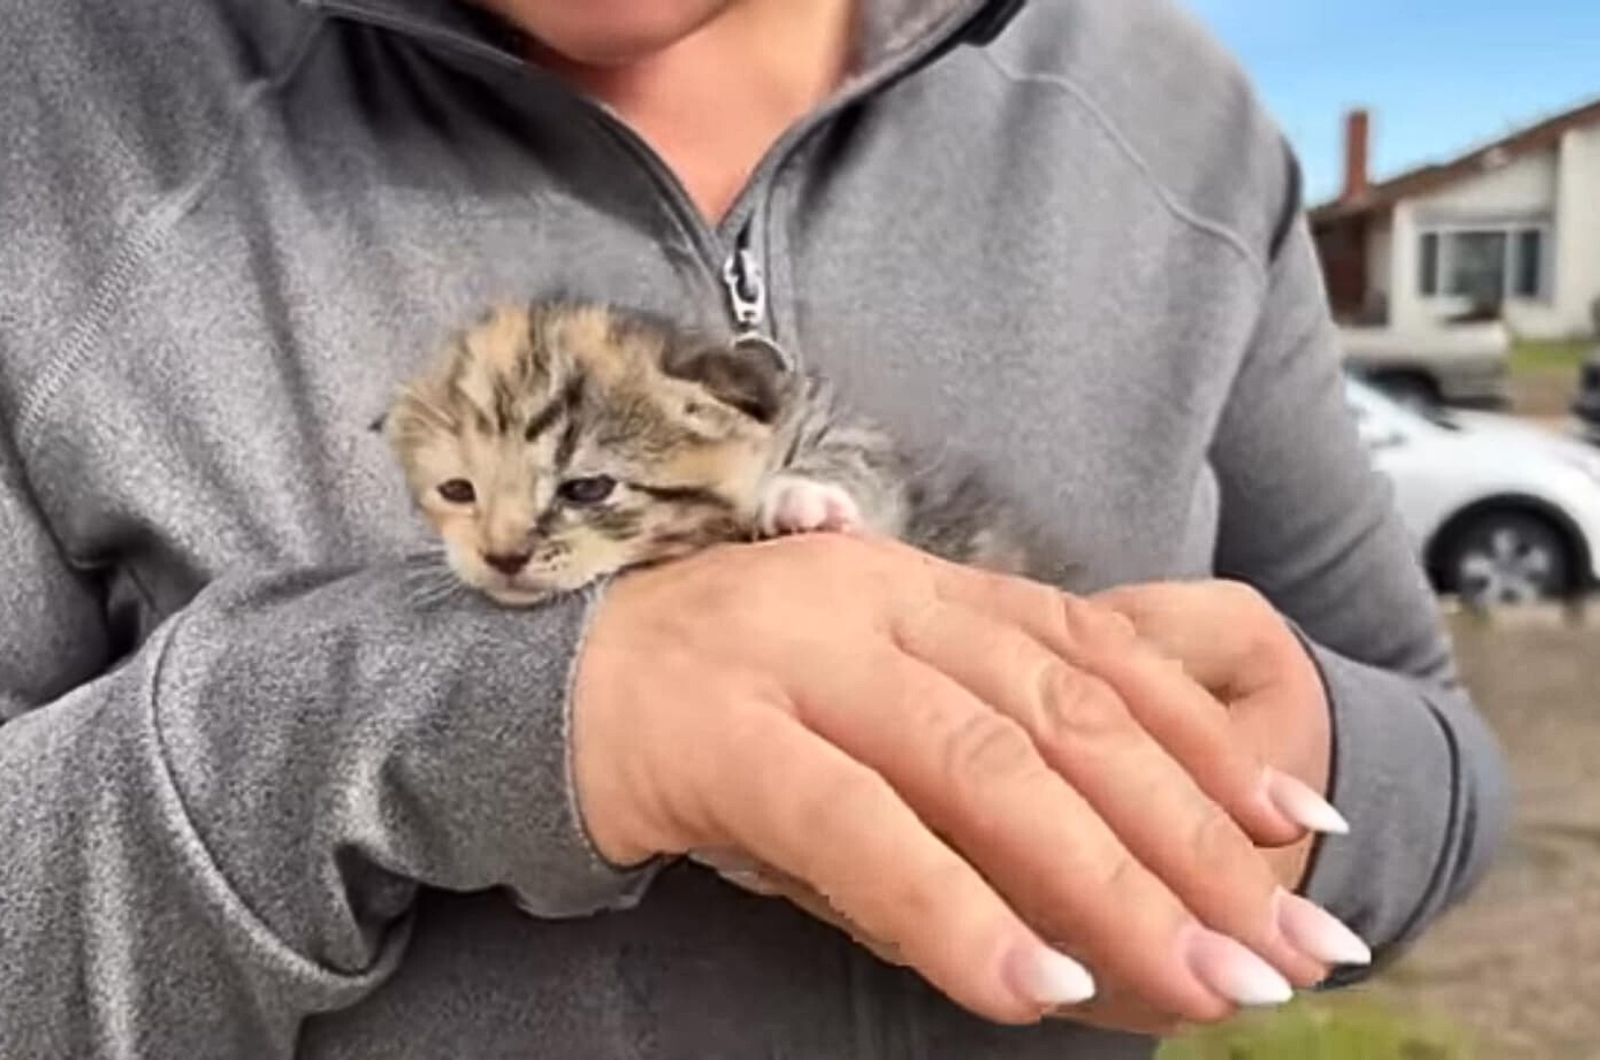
507,562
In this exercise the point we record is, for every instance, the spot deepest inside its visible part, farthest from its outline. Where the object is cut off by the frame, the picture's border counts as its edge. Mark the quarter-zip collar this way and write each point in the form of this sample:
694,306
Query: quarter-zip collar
894,38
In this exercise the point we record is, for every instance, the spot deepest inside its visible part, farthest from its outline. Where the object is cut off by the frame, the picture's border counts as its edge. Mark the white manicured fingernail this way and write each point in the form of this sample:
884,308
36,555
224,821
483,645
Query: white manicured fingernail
1318,933
1045,977
1231,970
1297,801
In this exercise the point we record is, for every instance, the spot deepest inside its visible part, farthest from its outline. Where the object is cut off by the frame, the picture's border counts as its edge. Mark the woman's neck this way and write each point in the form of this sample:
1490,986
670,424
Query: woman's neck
713,102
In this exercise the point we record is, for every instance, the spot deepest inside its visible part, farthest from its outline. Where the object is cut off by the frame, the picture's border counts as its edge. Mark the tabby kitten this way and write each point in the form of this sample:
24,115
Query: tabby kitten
560,442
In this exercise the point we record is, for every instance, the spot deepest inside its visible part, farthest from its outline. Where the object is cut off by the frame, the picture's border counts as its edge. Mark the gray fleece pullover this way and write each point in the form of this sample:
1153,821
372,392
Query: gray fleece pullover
257,801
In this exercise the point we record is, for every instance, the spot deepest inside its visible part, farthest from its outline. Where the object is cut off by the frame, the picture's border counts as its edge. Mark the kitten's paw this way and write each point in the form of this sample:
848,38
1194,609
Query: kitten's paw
795,505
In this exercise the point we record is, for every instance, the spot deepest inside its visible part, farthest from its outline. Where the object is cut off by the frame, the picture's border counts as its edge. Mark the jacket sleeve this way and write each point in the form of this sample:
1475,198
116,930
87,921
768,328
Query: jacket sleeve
226,830
1307,520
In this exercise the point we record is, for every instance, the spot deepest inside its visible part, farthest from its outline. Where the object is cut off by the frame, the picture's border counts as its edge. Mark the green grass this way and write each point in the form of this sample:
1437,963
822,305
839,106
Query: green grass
1324,1028
1529,357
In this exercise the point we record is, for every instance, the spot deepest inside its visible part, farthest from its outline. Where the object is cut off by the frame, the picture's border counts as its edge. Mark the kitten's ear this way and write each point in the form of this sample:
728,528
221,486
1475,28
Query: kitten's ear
419,408
751,377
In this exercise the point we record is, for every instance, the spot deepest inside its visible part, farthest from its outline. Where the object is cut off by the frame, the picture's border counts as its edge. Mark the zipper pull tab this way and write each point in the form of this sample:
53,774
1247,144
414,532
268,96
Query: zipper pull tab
747,300
747,290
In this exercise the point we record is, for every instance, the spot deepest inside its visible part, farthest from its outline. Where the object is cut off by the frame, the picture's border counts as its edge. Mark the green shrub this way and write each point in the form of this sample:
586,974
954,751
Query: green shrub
1347,1028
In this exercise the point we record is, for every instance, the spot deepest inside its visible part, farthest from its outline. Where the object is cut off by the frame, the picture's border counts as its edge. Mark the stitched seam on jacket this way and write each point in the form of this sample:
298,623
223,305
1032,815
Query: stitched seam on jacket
148,234
1168,199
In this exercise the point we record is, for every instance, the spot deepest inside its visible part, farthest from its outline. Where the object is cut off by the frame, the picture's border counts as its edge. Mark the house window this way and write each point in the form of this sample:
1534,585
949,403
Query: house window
1430,263
1530,263
1483,265
1477,267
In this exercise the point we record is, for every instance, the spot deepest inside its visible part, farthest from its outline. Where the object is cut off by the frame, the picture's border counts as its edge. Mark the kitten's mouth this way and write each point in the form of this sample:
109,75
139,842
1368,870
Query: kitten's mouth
523,589
517,590
512,596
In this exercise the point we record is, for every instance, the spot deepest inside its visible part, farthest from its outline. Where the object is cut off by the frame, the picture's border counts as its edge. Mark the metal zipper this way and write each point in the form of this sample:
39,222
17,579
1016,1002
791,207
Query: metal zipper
746,286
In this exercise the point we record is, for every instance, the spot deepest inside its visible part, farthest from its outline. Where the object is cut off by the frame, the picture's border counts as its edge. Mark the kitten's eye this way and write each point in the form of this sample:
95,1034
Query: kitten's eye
591,490
458,491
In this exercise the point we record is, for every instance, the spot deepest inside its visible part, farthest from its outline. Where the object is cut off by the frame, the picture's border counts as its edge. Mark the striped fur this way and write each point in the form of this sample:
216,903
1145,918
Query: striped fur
692,433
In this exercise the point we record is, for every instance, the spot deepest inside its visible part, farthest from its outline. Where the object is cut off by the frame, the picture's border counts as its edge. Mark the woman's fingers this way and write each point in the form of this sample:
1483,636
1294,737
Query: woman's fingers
978,778
1169,703
817,815
1236,644
1087,735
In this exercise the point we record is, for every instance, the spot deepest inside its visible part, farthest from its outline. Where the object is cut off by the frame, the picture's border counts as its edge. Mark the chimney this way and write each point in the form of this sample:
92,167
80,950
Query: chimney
1357,131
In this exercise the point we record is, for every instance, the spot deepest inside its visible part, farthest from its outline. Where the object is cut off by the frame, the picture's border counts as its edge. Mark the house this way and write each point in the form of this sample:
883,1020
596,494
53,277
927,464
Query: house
1511,228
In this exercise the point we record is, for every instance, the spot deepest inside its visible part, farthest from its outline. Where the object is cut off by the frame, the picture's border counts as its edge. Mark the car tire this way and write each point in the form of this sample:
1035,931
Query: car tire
1506,556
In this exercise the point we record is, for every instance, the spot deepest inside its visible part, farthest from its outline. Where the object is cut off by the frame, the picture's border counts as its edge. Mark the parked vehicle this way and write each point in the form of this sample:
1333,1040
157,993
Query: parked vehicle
1461,364
1501,510
1587,407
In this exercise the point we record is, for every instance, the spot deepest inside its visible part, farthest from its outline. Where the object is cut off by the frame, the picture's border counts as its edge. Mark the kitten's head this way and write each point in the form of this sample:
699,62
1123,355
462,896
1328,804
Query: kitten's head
562,442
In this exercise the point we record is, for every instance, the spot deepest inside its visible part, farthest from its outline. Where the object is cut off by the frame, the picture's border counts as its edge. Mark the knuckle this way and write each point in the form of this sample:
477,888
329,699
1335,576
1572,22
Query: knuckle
832,807
1119,875
1254,620
1248,611
1075,708
1216,839
915,899
1092,626
986,748
1120,629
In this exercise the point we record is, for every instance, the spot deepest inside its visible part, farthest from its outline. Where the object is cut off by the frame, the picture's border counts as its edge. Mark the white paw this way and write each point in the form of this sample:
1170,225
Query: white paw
795,505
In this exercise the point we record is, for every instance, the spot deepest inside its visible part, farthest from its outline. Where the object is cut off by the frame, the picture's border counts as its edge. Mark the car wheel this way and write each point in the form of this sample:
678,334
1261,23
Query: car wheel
1507,557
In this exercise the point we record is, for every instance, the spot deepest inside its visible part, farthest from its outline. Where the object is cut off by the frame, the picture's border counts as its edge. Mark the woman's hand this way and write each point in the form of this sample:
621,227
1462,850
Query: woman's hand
1233,642
964,765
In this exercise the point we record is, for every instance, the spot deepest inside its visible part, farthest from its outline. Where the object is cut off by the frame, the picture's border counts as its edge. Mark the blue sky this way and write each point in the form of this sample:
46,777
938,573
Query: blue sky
1439,76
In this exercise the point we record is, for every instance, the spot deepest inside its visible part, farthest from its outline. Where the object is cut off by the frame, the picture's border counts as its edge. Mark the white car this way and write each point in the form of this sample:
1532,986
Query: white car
1501,510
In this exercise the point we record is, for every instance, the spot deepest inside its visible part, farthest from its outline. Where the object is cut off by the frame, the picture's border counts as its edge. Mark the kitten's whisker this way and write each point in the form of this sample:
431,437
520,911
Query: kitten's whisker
429,578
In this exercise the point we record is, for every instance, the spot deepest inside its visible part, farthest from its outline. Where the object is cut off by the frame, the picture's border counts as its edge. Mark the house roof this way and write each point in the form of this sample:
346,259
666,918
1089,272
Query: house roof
1382,196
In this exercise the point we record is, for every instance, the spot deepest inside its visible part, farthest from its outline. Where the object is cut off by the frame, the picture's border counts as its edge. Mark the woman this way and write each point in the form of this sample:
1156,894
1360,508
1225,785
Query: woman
260,801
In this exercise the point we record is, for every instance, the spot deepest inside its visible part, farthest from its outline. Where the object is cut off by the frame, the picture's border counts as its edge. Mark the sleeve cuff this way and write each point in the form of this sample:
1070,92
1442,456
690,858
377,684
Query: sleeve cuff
569,877
1394,777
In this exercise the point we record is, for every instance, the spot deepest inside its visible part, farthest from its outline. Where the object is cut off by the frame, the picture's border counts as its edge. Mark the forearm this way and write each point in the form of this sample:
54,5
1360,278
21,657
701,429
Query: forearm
227,833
